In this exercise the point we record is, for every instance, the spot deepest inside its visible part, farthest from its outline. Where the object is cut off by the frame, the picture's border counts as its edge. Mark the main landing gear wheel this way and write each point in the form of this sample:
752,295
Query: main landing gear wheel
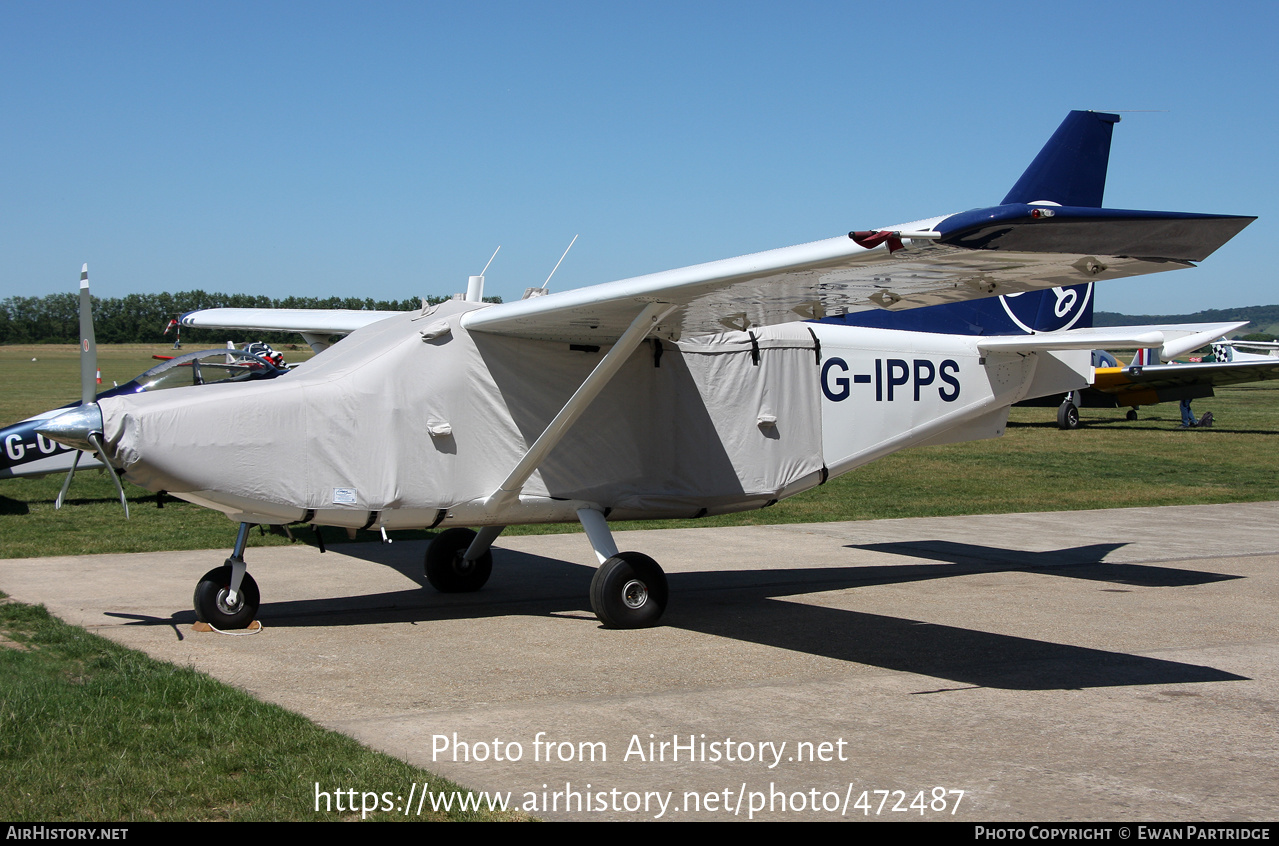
448,571
629,591
211,604
1132,414
1067,416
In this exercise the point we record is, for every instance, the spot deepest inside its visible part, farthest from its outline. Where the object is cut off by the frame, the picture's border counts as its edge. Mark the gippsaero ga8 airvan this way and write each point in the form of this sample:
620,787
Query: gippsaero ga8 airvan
709,389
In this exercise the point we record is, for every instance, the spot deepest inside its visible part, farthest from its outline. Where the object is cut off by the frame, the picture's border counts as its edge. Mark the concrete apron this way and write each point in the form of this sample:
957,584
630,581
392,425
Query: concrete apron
1089,665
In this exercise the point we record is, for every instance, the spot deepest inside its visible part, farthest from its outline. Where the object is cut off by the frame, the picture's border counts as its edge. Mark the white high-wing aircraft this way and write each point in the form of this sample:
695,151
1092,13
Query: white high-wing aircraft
678,394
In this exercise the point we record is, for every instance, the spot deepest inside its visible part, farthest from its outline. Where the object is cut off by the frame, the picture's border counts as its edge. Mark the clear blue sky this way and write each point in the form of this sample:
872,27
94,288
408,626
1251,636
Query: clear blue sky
385,149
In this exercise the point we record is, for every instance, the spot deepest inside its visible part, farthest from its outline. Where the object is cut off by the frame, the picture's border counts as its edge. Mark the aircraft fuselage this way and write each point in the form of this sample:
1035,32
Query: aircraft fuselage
389,430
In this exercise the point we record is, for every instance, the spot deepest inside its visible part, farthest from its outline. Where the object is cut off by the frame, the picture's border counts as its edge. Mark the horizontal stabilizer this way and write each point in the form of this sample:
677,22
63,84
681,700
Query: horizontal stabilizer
1074,339
1201,336
1179,338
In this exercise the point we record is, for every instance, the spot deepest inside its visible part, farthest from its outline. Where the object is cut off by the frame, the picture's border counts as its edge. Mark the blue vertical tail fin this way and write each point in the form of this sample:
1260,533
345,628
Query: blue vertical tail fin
1070,170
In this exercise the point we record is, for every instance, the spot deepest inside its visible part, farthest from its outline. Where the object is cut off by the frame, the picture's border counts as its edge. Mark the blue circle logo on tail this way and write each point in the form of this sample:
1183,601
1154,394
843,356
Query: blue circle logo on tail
1049,311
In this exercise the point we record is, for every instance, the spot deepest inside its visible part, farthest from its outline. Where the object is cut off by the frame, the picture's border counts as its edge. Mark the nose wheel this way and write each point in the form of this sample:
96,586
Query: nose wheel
227,597
629,591
213,605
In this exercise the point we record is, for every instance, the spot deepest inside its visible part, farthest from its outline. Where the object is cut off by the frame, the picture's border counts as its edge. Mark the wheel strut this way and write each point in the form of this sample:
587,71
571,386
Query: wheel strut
236,563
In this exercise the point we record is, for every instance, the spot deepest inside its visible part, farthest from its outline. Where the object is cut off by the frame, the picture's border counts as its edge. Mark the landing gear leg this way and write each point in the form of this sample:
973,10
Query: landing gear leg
460,560
629,590
597,532
227,597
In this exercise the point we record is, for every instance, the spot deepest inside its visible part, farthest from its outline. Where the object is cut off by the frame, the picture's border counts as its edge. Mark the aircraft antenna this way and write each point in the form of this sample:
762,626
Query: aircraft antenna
475,284
557,264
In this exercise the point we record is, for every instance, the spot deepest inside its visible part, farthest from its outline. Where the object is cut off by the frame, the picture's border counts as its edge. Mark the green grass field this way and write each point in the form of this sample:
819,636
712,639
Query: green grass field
80,717
90,730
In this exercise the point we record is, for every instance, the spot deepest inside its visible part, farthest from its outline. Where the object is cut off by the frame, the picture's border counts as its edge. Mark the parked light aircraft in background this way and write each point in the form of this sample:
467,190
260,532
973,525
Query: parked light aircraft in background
24,452
677,394
1147,381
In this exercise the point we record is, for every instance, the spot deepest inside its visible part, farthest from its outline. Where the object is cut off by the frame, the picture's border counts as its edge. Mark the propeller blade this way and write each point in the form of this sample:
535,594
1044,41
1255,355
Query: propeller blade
88,345
80,426
96,440
75,462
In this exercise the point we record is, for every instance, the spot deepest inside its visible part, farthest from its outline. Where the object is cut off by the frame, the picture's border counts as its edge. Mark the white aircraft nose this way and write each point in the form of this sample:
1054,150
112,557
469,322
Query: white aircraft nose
74,427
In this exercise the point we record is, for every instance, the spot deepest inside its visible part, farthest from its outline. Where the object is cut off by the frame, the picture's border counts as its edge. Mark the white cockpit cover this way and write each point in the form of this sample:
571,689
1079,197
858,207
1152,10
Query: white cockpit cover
385,420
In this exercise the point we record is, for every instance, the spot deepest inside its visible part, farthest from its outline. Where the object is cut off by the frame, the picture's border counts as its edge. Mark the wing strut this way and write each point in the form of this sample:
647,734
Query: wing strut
317,342
510,489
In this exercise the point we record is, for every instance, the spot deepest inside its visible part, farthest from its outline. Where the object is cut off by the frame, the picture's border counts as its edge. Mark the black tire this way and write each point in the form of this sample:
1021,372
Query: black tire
1067,416
448,571
1132,414
629,591
211,605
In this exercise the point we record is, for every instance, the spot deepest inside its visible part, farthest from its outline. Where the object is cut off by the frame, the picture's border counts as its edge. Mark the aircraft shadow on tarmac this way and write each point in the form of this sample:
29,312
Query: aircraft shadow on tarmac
1073,563
752,606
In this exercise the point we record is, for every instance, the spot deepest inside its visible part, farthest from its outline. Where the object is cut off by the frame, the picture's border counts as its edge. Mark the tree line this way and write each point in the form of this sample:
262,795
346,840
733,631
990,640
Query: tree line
143,318
1264,319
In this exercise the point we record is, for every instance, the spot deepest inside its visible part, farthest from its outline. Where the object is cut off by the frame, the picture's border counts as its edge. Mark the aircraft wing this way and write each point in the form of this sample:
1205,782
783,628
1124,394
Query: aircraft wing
333,321
1126,382
987,252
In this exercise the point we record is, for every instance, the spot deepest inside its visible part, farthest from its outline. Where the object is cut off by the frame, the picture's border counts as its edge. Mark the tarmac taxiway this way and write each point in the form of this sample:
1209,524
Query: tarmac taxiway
1112,665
